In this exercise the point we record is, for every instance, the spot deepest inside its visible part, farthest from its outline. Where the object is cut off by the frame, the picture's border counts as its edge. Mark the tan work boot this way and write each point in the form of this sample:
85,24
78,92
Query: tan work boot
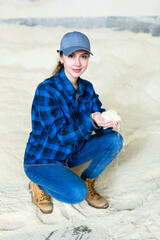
93,198
40,198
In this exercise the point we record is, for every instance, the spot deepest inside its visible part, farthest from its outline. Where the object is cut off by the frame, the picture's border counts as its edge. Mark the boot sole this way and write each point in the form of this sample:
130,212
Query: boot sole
96,206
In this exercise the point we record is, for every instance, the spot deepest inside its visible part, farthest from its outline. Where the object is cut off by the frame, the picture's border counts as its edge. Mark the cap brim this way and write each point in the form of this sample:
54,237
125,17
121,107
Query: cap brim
68,51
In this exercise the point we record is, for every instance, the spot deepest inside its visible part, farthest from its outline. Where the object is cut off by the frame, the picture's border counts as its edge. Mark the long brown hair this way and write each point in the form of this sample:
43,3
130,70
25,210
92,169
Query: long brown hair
58,67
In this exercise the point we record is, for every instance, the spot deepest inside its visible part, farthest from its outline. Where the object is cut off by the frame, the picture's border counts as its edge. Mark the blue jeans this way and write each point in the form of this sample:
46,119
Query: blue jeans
61,183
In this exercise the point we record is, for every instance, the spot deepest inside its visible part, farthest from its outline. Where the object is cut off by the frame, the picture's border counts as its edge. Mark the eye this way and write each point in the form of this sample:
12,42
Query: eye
85,56
71,56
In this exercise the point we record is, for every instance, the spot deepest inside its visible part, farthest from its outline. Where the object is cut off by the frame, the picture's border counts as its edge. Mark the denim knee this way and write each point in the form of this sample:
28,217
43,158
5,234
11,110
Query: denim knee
117,140
78,193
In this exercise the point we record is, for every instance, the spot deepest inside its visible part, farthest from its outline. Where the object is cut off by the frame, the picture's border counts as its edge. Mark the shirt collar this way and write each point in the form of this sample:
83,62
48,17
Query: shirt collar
68,86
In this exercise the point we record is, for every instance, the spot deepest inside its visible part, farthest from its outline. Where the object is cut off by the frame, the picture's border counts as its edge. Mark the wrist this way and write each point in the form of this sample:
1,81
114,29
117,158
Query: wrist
94,123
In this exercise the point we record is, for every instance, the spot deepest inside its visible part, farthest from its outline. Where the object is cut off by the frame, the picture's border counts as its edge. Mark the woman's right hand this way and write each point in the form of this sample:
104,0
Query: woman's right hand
101,122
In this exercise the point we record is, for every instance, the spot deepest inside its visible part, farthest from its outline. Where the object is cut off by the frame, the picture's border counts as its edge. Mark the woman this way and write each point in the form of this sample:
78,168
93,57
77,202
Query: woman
65,112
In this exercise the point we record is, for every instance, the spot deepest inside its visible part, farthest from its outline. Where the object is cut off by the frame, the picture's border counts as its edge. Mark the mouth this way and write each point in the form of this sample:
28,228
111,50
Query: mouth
76,70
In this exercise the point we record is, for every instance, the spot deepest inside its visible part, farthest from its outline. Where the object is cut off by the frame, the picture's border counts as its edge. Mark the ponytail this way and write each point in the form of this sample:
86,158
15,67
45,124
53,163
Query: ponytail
59,66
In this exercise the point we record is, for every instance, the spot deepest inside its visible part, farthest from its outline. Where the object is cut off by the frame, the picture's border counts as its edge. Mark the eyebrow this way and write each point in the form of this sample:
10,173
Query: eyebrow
85,53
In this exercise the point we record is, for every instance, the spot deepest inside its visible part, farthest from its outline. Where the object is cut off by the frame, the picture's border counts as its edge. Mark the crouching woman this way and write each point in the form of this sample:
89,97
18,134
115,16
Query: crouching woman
65,112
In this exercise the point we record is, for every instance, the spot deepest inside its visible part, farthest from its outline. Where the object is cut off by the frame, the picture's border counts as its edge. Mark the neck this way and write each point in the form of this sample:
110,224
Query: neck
72,80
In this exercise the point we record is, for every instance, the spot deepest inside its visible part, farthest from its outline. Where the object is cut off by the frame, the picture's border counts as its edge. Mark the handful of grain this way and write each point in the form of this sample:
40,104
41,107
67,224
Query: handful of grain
111,115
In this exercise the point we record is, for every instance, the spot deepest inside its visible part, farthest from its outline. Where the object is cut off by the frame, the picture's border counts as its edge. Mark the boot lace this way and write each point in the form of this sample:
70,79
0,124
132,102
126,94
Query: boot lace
91,189
44,196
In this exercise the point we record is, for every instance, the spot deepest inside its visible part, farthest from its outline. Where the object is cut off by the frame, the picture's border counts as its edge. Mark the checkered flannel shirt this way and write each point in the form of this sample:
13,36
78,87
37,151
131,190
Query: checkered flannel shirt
61,120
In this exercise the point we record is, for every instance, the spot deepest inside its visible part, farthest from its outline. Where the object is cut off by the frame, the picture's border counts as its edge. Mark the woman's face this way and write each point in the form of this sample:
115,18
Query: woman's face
75,63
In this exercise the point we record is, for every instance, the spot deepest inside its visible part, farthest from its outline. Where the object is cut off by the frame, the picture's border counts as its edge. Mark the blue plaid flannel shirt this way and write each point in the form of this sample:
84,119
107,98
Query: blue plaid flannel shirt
61,120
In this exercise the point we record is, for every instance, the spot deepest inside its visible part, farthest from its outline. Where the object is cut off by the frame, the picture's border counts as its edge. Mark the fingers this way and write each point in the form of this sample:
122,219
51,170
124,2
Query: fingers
108,124
105,124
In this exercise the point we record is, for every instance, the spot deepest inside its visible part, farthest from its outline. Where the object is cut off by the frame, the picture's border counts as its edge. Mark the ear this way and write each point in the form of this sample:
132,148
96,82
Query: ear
60,57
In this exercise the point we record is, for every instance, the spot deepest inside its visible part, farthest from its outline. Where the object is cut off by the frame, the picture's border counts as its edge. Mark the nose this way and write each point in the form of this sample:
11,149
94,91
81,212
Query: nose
77,61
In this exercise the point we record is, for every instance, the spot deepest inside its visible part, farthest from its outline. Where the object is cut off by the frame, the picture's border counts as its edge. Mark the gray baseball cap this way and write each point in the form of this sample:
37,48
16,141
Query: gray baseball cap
73,41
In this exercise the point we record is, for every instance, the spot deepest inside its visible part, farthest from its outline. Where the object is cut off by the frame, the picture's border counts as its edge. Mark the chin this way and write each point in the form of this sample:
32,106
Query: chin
78,74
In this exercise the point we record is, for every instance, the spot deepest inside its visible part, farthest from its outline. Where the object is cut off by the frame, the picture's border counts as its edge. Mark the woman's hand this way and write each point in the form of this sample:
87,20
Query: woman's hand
101,122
